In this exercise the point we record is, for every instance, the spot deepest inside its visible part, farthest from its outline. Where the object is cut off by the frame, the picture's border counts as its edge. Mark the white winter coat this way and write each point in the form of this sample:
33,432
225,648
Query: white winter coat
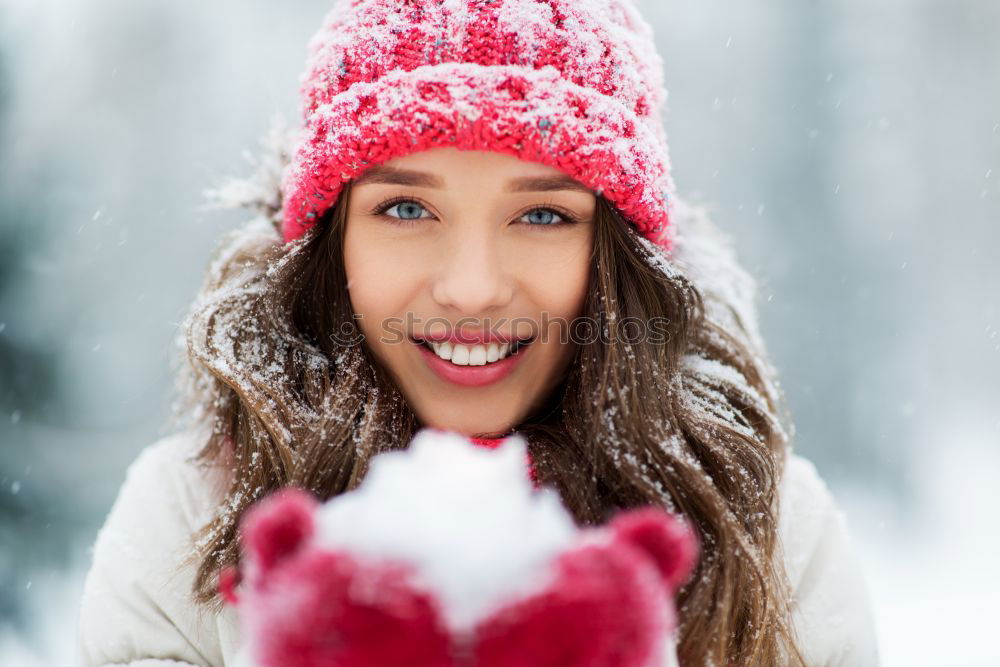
136,609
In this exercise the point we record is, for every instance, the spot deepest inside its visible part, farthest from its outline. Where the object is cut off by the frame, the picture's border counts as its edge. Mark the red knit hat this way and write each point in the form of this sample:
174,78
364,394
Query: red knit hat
572,84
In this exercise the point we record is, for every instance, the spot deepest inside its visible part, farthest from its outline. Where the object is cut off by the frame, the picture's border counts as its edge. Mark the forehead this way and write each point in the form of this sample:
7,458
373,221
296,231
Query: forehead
437,168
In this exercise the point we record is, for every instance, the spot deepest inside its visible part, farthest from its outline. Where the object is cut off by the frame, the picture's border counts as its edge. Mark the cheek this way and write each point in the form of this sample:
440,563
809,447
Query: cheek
558,279
375,280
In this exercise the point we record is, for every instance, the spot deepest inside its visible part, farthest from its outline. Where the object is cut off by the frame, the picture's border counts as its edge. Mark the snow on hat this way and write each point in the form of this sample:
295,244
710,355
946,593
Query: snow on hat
572,84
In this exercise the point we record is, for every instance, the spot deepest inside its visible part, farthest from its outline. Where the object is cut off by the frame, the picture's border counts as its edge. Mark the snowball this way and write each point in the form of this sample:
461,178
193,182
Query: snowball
467,517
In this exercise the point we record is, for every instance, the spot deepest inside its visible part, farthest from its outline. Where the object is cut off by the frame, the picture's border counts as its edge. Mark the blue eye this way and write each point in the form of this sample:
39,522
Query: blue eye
542,216
408,210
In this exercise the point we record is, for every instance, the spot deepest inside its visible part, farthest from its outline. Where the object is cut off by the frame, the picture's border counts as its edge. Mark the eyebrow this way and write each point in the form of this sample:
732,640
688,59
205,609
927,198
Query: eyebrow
396,176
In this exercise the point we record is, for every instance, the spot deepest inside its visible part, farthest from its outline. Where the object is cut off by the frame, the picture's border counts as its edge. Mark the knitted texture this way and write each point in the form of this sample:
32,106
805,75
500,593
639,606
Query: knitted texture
572,84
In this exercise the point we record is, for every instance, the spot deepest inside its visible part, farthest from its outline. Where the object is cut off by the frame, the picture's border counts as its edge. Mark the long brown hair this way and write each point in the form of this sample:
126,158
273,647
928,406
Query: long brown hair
694,424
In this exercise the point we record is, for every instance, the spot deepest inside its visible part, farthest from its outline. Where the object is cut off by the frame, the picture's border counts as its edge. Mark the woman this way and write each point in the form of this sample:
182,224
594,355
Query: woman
477,230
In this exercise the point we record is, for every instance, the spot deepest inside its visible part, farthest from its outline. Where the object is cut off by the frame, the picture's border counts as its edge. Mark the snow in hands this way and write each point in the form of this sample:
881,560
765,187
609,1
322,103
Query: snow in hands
447,549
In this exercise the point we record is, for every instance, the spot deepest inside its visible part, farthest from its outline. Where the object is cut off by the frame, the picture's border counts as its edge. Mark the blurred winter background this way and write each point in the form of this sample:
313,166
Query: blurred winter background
851,147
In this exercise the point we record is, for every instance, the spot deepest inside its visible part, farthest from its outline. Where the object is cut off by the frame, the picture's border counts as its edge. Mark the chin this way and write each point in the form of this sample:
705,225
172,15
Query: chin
487,426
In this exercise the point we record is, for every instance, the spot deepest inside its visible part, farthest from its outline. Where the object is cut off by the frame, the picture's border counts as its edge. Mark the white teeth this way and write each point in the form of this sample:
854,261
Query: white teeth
477,355
474,355
460,355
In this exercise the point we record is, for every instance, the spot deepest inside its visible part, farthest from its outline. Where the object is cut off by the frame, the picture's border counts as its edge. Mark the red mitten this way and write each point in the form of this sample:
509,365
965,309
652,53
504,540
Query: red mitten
315,607
444,557
610,602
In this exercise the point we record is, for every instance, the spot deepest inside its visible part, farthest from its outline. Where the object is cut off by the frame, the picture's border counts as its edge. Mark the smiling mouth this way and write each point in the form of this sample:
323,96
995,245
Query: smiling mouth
479,354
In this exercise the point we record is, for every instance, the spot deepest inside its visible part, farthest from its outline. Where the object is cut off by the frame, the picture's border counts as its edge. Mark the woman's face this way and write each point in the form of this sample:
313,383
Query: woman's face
479,247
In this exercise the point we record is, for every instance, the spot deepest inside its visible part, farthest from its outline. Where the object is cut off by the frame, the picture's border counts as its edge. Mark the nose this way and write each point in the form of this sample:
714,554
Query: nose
471,279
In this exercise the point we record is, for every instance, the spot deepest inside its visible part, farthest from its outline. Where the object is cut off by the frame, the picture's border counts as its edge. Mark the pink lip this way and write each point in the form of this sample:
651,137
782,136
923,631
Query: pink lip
472,376
472,337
